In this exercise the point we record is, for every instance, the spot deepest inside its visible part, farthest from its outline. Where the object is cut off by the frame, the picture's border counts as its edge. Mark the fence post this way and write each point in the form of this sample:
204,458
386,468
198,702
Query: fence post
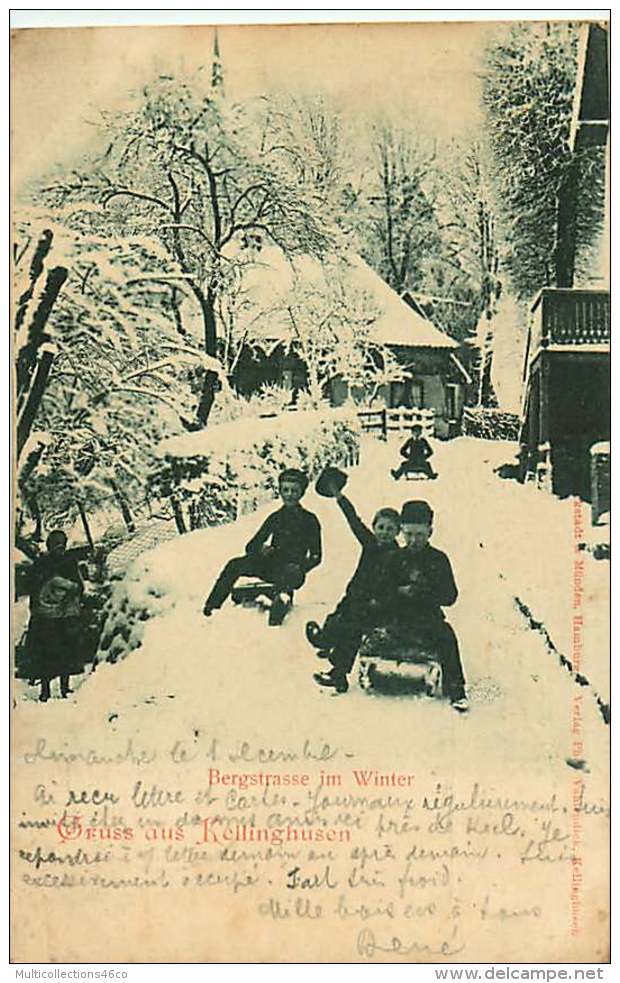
178,514
600,480
194,520
544,467
87,531
384,428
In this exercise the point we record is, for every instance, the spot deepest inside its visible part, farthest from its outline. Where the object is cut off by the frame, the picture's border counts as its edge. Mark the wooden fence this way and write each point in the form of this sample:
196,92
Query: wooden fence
397,419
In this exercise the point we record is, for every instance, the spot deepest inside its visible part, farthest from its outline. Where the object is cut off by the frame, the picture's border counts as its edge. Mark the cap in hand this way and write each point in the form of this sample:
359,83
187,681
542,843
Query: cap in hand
330,482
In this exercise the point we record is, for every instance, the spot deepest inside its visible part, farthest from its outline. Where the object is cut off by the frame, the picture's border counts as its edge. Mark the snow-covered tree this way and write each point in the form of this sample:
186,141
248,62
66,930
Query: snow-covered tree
194,174
312,140
550,197
464,275
119,379
36,288
398,228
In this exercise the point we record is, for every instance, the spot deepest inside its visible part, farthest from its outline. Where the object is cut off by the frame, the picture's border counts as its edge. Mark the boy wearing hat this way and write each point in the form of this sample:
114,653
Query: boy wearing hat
426,585
416,452
359,608
285,548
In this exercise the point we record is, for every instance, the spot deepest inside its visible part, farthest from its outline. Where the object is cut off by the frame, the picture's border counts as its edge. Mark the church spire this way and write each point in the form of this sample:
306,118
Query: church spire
217,72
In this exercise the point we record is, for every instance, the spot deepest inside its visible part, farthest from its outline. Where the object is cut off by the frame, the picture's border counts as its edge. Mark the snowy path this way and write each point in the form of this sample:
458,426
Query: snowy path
233,674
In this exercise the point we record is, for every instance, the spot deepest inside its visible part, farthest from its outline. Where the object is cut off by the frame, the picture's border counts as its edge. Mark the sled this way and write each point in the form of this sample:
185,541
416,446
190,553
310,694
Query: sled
250,592
417,476
390,663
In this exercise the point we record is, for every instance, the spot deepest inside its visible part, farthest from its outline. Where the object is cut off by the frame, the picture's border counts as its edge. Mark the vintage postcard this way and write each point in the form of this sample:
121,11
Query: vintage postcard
311,337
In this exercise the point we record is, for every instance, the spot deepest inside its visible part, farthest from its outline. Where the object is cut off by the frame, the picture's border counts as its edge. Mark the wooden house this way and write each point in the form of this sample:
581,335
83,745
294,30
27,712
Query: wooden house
431,373
567,383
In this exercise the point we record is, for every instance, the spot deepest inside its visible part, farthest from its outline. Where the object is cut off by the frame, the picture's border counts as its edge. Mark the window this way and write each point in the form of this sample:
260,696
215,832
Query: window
417,394
452,401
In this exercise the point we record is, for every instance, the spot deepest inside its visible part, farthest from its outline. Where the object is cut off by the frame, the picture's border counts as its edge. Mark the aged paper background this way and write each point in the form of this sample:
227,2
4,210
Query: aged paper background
469,859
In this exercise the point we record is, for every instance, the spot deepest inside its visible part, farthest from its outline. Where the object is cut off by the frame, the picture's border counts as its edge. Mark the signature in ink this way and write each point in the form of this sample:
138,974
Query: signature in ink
367,946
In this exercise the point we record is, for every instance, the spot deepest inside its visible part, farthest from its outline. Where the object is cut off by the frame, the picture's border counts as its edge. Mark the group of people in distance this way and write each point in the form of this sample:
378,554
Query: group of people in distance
401,588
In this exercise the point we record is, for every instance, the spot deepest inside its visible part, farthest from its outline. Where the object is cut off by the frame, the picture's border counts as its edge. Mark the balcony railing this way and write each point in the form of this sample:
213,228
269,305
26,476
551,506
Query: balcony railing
569,317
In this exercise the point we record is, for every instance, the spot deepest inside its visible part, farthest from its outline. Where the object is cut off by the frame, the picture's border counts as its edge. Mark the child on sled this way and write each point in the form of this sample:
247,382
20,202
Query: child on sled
285,548
340,636
416,452
424,584
406,596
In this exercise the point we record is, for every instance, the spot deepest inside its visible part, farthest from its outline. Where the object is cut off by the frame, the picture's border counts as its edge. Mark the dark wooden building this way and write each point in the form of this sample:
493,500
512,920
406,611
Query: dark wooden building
567,381
567,378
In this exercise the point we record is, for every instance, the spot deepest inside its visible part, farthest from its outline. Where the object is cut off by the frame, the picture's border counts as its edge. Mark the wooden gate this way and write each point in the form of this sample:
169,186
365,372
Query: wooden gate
397,419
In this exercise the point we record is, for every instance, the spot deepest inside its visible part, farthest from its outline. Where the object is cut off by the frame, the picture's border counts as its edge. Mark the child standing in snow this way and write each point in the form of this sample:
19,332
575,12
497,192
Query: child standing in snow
416,452
362,603
53,641
285,548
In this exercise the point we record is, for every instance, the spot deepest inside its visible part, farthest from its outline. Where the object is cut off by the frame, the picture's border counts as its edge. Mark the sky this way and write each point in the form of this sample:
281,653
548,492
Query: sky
61,78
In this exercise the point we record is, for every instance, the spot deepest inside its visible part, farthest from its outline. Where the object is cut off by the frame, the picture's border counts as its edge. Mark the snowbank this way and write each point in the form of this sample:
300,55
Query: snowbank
218,474
243,434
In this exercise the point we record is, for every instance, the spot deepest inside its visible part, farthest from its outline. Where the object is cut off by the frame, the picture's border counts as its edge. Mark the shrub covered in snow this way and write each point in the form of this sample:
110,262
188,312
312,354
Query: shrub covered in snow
490,424
128,606
224,471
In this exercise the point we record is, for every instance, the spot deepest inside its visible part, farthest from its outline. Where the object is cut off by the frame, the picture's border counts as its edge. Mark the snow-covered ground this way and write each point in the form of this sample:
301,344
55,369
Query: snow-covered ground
234,674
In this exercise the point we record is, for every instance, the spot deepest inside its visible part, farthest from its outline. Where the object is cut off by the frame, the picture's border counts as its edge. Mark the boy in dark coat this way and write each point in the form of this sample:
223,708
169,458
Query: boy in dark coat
416,452
425,586
361,605
285,548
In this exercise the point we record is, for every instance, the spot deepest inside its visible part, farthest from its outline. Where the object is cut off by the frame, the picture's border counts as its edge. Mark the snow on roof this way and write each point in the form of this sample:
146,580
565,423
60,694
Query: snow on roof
272,277
398,324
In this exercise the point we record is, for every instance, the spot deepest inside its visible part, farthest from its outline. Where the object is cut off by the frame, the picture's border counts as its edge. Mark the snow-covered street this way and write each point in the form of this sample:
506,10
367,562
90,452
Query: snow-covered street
517,800
505,541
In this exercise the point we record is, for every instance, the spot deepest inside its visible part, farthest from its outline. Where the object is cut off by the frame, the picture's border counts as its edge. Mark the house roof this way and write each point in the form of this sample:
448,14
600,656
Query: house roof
398,324
272,277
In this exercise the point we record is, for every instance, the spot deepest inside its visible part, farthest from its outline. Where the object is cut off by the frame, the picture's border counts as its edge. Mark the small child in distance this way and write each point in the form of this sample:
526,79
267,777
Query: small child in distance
416,452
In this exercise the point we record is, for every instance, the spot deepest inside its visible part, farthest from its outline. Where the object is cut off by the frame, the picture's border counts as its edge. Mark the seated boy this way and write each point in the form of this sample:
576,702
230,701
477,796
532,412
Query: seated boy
359,608
425,585
416,452
285,548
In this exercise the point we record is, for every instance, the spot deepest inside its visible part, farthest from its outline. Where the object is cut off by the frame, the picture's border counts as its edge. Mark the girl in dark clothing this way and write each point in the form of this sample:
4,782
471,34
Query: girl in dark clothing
52,646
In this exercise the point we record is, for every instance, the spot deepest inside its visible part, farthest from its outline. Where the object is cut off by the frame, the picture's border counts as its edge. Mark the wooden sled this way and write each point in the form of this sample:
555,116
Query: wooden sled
386,662
253,593
417,476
